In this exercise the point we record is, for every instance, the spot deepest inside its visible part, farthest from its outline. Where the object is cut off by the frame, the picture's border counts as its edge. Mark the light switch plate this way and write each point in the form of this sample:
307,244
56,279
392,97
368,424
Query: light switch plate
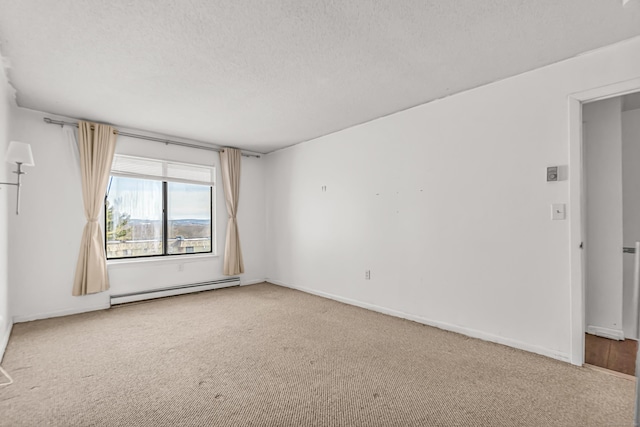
558,211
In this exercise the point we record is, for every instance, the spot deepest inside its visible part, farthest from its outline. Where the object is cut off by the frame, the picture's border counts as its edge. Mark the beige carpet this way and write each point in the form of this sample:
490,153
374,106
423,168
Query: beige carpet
264,355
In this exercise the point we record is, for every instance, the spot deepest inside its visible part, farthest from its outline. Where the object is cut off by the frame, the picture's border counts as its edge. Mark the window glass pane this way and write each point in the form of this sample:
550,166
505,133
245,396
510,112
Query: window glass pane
189,218
133,217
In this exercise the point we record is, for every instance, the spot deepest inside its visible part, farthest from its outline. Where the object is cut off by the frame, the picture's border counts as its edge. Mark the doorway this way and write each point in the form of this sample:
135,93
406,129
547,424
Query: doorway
610,230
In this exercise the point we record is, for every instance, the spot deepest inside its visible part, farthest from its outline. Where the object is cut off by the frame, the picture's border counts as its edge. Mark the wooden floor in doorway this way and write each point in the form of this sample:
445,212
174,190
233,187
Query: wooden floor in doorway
619,356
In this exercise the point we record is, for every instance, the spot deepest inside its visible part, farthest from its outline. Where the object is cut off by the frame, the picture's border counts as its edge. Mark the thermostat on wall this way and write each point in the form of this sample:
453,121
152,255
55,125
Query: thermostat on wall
552,173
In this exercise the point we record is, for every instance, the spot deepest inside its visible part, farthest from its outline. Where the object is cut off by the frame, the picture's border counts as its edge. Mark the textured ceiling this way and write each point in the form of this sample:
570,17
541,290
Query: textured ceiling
262,75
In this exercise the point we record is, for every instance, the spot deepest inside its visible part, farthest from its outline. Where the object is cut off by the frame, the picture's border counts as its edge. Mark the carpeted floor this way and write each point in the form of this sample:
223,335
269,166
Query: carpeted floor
263,355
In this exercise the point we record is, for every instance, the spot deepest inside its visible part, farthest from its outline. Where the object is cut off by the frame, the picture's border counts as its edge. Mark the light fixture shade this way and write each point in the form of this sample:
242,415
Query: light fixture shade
20,152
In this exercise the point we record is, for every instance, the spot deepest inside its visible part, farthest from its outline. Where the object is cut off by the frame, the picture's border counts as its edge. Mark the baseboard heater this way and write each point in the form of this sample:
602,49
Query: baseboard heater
174,290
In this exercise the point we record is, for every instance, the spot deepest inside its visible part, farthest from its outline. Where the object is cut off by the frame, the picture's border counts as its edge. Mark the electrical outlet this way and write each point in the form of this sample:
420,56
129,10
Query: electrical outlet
180,267
367,275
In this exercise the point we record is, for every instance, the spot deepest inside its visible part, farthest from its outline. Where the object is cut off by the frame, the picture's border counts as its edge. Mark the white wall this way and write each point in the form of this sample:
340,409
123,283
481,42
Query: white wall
7,194
45,237
603,216
631,211
447,205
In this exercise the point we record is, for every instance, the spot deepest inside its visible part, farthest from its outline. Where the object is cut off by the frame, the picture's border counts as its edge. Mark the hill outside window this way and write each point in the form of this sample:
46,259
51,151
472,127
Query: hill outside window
158,208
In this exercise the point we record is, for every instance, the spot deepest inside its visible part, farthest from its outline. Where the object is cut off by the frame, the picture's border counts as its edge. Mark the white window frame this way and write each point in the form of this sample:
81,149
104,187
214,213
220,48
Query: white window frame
202,175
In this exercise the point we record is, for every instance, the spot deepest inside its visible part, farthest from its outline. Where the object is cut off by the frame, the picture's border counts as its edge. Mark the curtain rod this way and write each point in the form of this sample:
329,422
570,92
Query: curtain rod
150,138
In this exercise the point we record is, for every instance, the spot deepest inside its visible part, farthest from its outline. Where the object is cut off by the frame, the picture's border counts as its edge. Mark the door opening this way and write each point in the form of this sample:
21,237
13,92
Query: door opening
611,228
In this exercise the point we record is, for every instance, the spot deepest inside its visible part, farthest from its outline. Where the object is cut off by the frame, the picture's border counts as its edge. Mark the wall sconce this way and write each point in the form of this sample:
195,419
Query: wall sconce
20,154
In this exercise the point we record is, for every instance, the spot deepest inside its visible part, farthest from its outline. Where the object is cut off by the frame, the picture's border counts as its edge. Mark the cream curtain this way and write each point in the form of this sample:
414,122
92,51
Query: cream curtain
97,144
230,166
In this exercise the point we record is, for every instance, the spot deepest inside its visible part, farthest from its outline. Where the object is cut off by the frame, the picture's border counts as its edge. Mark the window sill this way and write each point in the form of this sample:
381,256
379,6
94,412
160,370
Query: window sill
178,259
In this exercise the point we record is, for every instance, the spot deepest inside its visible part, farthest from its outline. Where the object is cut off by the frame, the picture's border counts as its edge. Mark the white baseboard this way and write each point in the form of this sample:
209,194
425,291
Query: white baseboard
252,282
565,357
59,313
4,340
614,334
67,312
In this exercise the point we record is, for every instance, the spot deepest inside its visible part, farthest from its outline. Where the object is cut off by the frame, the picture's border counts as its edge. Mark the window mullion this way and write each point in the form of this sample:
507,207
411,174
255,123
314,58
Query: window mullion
165,227
211,217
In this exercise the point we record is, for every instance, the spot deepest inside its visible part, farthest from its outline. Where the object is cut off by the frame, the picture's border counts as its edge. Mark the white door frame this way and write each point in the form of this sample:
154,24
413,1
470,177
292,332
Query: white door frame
576,205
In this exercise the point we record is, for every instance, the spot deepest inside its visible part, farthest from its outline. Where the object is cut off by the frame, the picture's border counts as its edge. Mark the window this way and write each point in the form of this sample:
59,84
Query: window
158,208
